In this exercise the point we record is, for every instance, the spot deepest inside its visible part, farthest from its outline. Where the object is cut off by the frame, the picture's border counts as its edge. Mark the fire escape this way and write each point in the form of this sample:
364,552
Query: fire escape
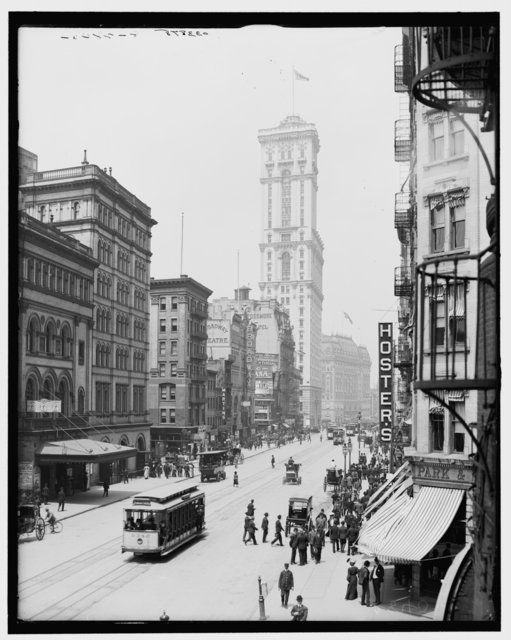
455,70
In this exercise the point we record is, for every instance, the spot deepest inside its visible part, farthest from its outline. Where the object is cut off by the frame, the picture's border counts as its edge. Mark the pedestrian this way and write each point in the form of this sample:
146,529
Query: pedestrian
45,493
245,527
264,526
273,462
352,590
286,584
251,531
343,534
299,612
303,543
164,617
125,476
293,543
146,472
316,545
251,508
352,538
278,531
61,497
235,482
334,536
106,486
166,470
363,580
377,575
321,519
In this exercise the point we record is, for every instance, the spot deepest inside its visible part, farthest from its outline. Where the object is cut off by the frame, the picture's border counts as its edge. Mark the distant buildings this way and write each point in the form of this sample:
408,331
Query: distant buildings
291,247
79,207
177,361
346,380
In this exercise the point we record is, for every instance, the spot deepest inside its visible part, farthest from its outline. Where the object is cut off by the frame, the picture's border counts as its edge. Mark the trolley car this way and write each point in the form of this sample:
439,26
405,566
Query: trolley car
159,521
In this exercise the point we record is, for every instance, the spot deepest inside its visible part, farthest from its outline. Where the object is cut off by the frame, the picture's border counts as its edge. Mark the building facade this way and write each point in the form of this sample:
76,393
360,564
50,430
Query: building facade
89,205
177,357
346,380
291,248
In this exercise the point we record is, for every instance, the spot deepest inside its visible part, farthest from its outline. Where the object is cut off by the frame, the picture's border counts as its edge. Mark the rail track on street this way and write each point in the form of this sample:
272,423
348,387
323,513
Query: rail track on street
104,578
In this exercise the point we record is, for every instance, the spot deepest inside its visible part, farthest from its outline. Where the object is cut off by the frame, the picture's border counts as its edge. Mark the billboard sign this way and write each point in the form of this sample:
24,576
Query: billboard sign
385,363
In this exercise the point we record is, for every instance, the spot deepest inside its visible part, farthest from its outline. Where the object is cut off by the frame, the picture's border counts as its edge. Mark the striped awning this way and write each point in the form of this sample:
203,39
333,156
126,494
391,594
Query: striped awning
405,529
456,396
404,469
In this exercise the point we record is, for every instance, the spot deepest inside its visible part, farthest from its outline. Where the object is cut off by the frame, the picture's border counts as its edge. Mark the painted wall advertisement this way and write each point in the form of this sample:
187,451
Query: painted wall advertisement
266,364
385,362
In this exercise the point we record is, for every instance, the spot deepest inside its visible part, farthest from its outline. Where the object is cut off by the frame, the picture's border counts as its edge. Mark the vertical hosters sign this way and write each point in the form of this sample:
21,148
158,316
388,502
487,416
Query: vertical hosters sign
385,362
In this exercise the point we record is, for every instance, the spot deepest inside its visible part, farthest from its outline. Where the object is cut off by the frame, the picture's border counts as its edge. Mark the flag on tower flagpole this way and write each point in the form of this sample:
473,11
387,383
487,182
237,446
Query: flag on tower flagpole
299,76
348,318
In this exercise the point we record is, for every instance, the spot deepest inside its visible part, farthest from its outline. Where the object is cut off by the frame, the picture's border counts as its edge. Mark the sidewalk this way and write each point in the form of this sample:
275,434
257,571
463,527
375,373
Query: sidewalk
93,498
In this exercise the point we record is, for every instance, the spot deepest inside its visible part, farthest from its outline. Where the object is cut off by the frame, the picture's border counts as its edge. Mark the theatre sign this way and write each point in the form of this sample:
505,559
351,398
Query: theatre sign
385,361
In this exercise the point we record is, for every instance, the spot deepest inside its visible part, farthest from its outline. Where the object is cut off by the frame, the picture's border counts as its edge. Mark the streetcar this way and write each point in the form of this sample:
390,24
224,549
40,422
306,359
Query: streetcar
162,519
330,433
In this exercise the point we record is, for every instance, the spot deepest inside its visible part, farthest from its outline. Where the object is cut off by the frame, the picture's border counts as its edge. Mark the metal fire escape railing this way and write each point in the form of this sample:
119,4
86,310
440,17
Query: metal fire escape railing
403,284
402,210
402,140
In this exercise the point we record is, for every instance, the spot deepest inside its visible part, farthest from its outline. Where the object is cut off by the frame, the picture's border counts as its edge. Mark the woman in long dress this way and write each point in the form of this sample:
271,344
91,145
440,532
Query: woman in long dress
351,591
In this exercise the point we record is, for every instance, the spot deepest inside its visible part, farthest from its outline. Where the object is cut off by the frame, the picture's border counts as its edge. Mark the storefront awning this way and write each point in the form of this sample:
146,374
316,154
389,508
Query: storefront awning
403,470
405,529
82,450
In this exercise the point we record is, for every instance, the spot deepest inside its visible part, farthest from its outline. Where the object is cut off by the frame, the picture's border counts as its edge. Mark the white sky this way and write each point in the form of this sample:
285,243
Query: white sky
177,119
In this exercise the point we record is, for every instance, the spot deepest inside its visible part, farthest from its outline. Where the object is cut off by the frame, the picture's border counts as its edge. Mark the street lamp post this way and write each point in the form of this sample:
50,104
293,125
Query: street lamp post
344,452
350,447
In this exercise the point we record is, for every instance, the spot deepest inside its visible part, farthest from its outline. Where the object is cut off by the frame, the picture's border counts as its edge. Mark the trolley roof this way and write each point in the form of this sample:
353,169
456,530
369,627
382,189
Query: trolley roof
210,453
164,497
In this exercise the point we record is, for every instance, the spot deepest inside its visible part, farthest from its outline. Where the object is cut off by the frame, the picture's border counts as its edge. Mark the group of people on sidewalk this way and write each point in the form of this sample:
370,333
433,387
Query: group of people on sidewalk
365,576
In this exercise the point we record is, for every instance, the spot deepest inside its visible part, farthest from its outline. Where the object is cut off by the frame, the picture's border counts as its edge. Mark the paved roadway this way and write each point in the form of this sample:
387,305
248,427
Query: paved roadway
80,574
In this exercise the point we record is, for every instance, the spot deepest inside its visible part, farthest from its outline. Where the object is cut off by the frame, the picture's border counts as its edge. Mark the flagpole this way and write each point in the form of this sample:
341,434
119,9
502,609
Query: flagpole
293,92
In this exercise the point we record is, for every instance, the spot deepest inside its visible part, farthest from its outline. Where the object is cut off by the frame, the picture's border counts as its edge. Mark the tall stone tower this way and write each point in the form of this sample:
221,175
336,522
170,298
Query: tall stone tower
291,248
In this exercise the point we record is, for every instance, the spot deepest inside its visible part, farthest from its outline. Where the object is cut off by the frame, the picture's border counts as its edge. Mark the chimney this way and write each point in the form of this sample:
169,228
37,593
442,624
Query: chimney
110,170
84,161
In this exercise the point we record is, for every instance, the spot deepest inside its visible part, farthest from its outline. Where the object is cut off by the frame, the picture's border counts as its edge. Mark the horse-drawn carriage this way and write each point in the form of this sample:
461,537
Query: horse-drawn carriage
299,514
211,465
292,475
331,480
234,456
29,520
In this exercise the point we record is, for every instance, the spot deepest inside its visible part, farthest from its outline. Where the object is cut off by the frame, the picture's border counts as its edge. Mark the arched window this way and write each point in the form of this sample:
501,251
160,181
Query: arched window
50,338
48,389
81,401
286,266
76,210
286,198
66,341
64,396
98,355
31,390
32,333
100,251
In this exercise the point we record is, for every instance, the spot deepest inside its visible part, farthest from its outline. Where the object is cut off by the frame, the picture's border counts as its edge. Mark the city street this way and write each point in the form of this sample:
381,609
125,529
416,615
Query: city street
80,574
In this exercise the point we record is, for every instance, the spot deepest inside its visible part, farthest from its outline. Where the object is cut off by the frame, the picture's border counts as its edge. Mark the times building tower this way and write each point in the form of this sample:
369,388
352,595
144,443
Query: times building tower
291,250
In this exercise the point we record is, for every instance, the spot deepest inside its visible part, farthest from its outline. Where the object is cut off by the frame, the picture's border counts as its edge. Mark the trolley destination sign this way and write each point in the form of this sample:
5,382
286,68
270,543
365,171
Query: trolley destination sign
385,349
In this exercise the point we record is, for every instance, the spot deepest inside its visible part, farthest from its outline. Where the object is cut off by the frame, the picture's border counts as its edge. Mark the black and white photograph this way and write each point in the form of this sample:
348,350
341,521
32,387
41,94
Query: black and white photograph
254,300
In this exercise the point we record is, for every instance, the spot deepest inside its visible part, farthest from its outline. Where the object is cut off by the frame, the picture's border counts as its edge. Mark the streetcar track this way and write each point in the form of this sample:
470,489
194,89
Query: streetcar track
90,558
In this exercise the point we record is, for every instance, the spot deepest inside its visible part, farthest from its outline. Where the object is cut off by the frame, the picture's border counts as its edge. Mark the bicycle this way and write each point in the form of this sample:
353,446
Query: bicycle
56,527
411,605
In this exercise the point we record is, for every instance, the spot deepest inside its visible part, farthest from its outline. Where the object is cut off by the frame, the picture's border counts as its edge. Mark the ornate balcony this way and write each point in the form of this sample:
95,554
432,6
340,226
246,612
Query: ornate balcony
455,67
402,141
403,285
446,335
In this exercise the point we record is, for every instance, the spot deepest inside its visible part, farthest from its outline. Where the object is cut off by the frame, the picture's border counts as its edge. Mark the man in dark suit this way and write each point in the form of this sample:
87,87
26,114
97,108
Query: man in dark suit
264,527
286,583
363,580
377,575
278,531
303,543
299,610
293,543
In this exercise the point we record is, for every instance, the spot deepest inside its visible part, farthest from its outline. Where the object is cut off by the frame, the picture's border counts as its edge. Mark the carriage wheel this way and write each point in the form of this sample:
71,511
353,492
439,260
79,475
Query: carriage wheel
39,528
57,527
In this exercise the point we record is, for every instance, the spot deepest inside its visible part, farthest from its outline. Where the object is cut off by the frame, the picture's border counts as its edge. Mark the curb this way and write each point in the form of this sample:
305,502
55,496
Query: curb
106,504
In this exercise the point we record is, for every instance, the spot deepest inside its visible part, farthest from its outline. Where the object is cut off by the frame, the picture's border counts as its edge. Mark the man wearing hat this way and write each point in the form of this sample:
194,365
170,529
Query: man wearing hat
299,612
251,531
278,531
286,583
247,522
251,507
377,575
264,526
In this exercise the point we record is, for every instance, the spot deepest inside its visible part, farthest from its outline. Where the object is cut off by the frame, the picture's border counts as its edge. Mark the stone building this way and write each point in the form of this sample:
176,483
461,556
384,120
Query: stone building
346,380
90,206
291,248
177,358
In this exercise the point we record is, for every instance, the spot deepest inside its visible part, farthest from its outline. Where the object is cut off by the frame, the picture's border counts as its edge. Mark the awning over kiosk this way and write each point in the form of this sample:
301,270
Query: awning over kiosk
405,529
83,450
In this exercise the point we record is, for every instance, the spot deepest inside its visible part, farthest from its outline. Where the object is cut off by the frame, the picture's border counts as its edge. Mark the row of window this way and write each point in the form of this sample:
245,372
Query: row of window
56,279
163,348
285,153
103,324
50,342
103,398
124,227
173,303
285,237
122,354
170,370
443,146
447,236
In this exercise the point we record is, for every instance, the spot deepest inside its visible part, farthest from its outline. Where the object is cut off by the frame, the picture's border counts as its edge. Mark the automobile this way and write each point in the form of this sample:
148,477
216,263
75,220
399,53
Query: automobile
211,465
338,440
292,474
299,514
